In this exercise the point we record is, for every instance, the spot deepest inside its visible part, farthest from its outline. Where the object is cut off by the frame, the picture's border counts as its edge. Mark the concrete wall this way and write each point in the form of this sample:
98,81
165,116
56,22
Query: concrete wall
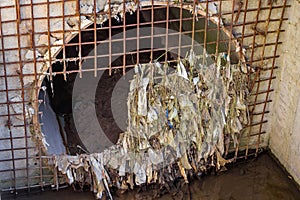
285,123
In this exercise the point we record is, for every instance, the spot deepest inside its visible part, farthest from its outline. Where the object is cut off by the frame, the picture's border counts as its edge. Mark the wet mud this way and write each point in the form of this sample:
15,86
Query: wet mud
255,179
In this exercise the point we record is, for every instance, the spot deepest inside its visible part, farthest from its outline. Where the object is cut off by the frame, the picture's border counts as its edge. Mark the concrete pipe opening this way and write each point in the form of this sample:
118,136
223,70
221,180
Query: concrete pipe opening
57,120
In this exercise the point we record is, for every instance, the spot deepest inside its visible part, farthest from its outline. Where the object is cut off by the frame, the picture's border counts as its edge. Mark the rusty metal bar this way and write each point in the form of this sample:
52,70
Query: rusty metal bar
144,37
260,102
205,32
233,3
64,42
264,40
223,13
263,92
138,32
254,9
218,28
17,148
95,39
8,108
185,32
124,35
49,43
242,44
78,10
240,5
231,26
167,31
257,74
258,134
118,67
257,123
250,35
22,92
260,113
265,79
193,24
180,30
109,36
272,71
36,89
144,23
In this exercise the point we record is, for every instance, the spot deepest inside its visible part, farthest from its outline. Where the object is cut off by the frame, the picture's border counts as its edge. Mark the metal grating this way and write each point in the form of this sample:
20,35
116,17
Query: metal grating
36,34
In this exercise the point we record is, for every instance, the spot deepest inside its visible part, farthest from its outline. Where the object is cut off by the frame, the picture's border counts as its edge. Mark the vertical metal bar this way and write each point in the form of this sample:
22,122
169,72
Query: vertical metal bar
79,38
219,28
138,32
39,157
242,44
35,101
180,30
18,13
49,46
253,45
124,37
95,39
205,32
244,25
262,61
240,5
167,31
231,29
257,75
64,43
51,79
152,30
109,39
193,23
23,93
229,51
7,105
271,74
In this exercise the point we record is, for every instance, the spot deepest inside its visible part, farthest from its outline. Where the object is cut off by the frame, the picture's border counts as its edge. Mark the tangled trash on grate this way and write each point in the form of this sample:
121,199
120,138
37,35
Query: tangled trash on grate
181,117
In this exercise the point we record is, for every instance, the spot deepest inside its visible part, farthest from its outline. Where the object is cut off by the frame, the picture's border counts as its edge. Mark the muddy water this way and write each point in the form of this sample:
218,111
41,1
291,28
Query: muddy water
260,179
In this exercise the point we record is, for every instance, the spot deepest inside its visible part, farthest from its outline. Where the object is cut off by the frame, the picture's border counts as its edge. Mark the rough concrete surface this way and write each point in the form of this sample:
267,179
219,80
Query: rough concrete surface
285,124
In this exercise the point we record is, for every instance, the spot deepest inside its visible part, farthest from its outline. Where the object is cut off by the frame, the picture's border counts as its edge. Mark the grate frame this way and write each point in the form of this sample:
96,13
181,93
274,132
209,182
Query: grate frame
256,25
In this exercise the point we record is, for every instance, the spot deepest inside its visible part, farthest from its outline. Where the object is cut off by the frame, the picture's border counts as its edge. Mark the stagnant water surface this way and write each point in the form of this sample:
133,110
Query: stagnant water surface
259,179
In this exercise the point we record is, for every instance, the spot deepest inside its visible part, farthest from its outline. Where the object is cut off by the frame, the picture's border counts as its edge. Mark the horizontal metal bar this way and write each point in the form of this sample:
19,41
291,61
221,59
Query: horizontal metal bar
262,92
260,113
255,9
257,123
265,79
260,102
256,134
16,149
16,138
263,45
264,58
252,135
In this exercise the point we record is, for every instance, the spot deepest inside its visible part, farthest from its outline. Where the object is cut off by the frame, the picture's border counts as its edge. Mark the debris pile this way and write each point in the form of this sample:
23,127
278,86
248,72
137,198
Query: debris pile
181,117
116,9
